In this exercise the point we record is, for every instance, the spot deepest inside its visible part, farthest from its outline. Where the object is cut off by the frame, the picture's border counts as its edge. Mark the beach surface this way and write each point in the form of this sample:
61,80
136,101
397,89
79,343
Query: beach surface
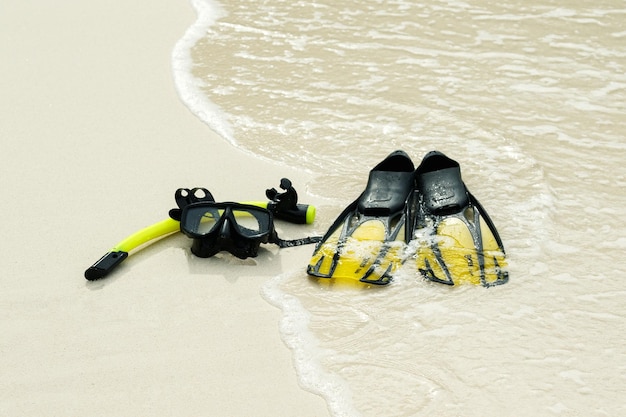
95,140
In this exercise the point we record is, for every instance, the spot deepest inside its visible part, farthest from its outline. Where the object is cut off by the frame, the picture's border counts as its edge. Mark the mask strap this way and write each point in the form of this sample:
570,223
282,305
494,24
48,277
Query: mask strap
296,242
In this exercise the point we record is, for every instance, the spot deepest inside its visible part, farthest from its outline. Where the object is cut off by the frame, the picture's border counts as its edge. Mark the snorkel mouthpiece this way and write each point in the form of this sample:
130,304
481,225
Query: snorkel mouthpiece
284,206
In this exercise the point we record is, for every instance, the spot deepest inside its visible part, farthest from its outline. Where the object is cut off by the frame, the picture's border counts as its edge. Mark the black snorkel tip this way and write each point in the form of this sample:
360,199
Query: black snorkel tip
105,265
299,214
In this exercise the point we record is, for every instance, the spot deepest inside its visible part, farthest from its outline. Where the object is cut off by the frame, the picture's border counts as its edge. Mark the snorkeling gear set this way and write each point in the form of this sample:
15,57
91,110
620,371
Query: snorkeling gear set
238,228
426,214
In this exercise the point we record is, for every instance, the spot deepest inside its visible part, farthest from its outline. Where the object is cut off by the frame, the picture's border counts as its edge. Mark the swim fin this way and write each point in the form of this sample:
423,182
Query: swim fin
366,242
458,242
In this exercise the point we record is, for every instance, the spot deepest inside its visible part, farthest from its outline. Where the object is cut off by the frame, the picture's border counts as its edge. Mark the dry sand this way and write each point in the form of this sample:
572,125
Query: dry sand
94,142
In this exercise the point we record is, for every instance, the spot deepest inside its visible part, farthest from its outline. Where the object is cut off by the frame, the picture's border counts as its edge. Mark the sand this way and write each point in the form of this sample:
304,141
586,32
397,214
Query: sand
95,140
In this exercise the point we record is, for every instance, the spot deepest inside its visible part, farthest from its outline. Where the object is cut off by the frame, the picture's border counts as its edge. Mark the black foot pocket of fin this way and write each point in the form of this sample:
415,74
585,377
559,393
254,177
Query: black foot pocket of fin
460,242
439,181
363,244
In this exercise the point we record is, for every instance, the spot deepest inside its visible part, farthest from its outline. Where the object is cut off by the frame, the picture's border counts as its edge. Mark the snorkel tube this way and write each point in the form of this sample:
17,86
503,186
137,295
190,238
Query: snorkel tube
283,206
120,251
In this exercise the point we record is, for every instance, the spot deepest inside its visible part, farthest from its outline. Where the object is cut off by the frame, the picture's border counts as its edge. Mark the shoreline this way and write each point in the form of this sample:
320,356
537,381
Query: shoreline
97,143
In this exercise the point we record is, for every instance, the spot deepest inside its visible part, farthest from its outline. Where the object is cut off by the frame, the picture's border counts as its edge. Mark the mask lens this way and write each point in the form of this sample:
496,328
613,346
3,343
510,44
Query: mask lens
201,220
249,221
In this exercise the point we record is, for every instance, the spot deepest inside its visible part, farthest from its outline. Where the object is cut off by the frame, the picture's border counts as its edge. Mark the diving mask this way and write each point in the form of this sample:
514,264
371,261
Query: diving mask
237,228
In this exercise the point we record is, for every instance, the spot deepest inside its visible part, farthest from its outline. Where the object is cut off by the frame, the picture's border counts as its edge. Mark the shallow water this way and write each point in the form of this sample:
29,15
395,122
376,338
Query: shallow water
530,98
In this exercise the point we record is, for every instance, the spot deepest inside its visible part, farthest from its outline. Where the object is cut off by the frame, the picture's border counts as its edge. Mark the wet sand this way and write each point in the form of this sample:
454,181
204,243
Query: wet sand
95,141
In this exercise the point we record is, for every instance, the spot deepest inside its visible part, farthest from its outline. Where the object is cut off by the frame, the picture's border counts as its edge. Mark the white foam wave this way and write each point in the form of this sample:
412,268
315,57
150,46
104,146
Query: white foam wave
294,328
189,87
